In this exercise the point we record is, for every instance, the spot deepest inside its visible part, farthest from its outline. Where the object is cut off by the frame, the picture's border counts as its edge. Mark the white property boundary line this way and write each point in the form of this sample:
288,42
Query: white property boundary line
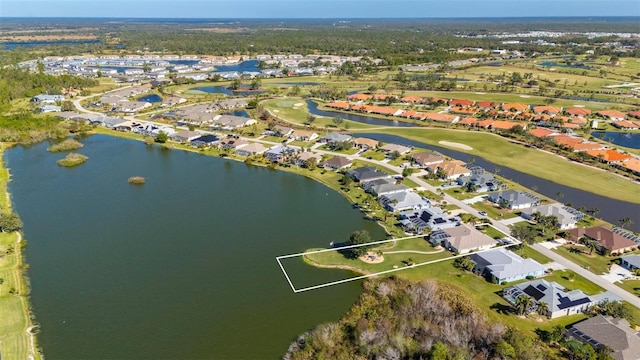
514,241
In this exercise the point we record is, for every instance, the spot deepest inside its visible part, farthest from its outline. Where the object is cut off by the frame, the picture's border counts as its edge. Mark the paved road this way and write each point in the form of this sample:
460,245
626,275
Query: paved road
596,279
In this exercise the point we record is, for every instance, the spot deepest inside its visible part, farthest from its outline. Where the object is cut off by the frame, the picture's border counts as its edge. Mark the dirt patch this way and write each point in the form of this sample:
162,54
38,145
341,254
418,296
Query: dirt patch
455,145
371,258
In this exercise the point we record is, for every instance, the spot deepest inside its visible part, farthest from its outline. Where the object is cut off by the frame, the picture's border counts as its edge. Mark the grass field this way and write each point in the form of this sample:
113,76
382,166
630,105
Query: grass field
632,286
527,160
597,264
295,111
15,342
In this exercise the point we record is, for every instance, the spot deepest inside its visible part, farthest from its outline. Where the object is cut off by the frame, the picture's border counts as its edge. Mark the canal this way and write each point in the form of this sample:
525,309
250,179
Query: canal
182,267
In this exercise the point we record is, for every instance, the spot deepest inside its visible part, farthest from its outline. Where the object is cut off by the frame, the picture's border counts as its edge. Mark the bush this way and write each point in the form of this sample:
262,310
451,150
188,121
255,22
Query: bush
67,145
136,180
72,159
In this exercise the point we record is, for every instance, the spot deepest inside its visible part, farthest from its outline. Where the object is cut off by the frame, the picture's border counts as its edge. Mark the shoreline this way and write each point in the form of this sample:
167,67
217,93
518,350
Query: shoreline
23,285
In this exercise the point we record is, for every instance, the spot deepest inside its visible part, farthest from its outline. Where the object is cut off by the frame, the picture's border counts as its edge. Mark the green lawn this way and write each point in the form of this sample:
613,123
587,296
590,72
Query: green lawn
493,211
597,264
295,111
460,193
374,154
530,253
531,161
632,286
564,278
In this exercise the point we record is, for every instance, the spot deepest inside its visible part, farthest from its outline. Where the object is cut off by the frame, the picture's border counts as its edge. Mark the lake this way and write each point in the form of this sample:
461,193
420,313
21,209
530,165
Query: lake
182,267
151,98
626,139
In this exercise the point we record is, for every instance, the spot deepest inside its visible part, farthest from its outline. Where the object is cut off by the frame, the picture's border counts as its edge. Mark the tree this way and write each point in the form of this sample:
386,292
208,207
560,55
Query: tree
543,308
523,303
256,84
10,222
311,163
235,84
357,238
624,222
162,137
337,121
310,119
439,351
524,233
295,91
394,155
66,106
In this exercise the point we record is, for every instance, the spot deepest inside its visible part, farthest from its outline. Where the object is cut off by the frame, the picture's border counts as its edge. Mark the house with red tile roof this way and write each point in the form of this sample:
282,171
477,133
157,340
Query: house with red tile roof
567,141
632,165
541,117
365,143
359,97
542,132
635,114
462,103
514,107
568,125
625,125
586,146
468,121
485,123
578,111
578,121
507,125
343,105
609,155
612,114
544,109
382,97
412,114
411,99
445,118
451,169
486,105
606,238
463,111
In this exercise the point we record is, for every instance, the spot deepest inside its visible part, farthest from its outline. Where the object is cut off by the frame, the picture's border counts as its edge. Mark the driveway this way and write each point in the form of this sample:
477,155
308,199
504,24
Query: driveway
616,273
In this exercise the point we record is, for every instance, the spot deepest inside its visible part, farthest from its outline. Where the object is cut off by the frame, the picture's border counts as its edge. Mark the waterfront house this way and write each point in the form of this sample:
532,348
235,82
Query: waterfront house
450,170
282,130
387,189
612,115
337,163
303,135
433,218
185,136
479,183
389,148
205,140
462,239
568,217
559,301
514,199
608,332
230,122
614,242
502,265
279,153
626,125
251,149
370,184
301,160
423,159
334,137
365,143
402,201
232,143
366,173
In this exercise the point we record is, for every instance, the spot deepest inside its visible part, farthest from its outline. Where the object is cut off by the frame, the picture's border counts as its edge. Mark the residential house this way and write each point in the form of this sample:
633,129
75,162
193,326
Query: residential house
367,186
568,217
230,122
303,135
608,332
515,107
365,143
334,137
606,238
205,140
612,114
462,239
433,218
185,136
50,108
389,148
544,109
337,163
514,199
366,173
450,170
479,183
386,189
578,112
301,160
626,125
631,262
501,265
279,153
251,149
402,201
282,130
559,302
610,156
423,159
232,143
47,99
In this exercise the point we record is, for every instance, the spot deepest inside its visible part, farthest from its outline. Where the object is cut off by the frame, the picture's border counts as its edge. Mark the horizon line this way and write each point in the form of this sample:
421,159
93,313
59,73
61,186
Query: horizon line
326,18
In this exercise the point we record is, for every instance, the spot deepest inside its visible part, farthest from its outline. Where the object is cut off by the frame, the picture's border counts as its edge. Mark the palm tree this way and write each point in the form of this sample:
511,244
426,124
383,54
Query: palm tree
590,244
543,308
624,222
523,303
559,194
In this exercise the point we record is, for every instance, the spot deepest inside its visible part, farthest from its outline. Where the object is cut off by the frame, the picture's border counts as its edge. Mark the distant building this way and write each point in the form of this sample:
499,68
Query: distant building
47,99
502,265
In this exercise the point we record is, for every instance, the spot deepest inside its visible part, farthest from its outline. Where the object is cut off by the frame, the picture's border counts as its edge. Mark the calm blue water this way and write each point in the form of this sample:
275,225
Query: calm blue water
249,65
222,89
630,140
552,63
313,108
240,113
152,98
10,45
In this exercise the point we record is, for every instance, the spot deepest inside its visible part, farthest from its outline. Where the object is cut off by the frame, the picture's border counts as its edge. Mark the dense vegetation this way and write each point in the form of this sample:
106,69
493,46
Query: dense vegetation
397,319
25,128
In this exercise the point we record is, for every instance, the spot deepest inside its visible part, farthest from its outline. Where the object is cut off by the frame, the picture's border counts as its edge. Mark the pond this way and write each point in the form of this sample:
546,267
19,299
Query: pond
182,267
313,109
151,98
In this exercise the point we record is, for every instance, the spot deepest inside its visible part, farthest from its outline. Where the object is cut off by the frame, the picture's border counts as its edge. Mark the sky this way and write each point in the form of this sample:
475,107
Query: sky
216,9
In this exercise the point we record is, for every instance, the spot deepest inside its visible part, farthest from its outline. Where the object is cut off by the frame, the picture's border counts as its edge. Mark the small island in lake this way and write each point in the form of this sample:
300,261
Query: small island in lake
67,145
136,180
72,159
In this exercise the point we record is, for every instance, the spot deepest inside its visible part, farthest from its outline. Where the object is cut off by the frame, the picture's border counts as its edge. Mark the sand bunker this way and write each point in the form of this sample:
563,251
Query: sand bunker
455,145
298,104
371,258
525,96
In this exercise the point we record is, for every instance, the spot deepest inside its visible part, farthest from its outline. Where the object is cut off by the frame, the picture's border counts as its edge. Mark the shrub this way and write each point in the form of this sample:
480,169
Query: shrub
67,145
136,180
72,159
